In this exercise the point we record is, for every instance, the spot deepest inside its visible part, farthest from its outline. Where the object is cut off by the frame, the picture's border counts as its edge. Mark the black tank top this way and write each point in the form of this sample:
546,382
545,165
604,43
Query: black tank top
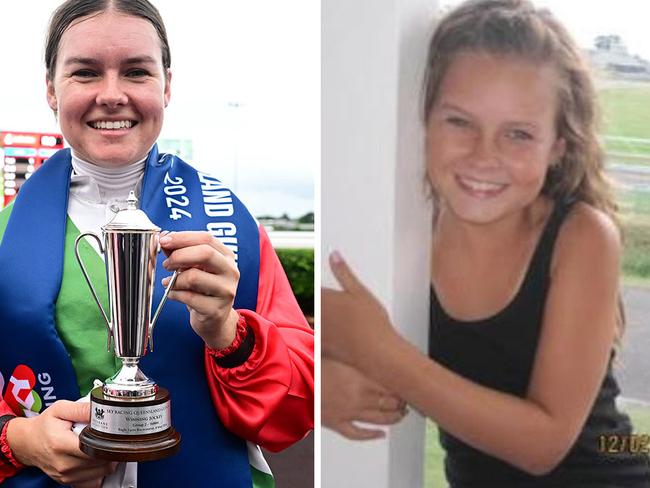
498,352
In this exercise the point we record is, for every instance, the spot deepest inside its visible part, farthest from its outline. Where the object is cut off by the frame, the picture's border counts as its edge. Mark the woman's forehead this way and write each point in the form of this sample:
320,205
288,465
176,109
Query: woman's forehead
500,81
110,34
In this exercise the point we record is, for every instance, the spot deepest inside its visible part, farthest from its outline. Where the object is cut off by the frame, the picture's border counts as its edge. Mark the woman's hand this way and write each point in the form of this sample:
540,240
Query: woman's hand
348,396
207,284
47,443
354,323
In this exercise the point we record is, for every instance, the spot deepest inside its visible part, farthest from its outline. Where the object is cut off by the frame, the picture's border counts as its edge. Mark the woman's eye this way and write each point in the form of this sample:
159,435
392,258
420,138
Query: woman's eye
84,73
520,135
457,122
137,73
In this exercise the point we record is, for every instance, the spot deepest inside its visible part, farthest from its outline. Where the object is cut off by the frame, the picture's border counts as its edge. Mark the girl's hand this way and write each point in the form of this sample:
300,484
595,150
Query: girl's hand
207,284
348,396
47,443
354,323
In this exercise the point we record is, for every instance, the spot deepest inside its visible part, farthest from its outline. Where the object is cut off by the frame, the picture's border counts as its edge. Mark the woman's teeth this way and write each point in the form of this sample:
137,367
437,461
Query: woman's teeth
118,124
482,186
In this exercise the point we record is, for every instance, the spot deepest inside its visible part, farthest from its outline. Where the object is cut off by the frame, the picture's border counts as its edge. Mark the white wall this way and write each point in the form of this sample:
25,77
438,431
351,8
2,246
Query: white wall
373,205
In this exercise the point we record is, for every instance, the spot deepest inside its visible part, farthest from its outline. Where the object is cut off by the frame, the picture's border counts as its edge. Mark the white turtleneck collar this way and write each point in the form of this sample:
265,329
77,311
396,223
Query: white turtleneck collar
108,184
96,193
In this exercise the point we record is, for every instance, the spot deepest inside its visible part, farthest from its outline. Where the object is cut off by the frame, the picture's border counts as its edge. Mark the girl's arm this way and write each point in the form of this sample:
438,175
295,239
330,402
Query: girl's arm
532,433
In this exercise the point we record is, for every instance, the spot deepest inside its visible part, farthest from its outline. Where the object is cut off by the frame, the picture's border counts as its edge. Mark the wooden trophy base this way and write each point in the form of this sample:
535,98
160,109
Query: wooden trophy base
129,430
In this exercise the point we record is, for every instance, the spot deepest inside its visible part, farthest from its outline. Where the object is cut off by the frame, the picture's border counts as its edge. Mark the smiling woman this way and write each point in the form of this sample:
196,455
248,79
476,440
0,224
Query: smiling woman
110,95
218,105
242,372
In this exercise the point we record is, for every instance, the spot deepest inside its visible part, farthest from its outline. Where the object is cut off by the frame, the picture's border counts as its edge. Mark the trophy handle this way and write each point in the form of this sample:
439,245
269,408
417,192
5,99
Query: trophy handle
160,306
92,288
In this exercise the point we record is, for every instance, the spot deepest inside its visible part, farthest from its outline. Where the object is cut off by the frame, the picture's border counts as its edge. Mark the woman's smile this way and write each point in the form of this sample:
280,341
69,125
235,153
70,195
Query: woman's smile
480,188
112,125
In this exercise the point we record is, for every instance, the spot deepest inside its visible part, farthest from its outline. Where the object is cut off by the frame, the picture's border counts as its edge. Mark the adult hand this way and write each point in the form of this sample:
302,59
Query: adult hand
46,442
207,284
354,322
348,396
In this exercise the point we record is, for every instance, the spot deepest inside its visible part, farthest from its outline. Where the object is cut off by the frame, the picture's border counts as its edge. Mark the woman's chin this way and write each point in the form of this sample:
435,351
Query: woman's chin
113,159
476,214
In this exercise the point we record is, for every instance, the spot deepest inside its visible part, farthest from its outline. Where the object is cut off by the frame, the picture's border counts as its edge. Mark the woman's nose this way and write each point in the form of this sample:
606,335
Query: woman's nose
111,92
484,152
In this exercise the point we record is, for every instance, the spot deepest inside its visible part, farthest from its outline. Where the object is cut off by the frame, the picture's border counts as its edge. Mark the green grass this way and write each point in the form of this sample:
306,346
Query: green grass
627,148
298,264
625,110
635,217
434,473
640,418
625,114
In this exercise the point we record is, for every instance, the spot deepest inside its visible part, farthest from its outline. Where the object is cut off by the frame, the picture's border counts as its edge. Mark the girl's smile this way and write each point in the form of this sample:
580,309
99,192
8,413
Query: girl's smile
110,88
480,188
491,135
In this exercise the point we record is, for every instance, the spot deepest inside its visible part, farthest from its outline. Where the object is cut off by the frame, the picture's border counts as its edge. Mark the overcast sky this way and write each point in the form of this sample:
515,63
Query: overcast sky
245,90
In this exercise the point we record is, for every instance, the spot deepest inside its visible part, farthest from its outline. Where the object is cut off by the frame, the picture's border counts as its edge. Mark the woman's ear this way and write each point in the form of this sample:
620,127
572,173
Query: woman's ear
168,88
51,94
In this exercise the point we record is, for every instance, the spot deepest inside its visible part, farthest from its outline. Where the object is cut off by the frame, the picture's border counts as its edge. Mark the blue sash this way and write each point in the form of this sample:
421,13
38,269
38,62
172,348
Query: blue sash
175,197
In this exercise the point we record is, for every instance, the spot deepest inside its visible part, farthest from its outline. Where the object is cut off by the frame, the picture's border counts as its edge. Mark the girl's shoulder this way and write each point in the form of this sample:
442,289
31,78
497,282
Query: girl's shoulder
586,232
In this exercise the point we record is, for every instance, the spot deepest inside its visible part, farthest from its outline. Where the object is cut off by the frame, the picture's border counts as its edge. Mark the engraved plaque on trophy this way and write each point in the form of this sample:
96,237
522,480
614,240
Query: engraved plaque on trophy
130,418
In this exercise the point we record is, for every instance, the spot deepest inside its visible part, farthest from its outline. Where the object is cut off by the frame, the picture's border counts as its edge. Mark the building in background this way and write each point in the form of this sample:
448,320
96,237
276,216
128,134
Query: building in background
610,55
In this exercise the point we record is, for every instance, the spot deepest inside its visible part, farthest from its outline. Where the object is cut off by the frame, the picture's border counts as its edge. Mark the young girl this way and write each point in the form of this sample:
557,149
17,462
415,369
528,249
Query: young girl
525,259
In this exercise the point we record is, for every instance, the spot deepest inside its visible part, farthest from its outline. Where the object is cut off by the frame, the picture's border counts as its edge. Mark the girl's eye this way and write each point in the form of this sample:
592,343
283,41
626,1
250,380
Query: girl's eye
83,73
457,122
520,135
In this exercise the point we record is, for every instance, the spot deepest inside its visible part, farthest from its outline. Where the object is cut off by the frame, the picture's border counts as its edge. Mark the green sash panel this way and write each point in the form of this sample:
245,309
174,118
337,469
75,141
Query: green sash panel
79,322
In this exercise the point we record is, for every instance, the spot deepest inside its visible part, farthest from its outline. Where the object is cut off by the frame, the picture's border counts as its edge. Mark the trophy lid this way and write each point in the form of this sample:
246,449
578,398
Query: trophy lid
131,219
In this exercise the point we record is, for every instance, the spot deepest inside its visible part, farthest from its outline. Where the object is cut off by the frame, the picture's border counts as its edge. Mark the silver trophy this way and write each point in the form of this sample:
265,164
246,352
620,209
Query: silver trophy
130,415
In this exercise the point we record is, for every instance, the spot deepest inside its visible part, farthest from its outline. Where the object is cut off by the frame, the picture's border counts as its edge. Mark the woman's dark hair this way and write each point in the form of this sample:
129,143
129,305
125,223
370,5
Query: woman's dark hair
72,10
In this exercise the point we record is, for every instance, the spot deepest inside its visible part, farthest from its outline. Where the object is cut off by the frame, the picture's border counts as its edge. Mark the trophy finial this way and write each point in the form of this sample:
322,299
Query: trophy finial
132,201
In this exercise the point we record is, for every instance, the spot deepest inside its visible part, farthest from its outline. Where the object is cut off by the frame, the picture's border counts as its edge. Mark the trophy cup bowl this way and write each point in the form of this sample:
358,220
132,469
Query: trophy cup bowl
130,418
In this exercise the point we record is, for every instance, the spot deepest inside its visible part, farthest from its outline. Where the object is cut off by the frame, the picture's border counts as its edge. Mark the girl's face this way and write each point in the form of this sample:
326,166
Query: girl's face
491,135
110,88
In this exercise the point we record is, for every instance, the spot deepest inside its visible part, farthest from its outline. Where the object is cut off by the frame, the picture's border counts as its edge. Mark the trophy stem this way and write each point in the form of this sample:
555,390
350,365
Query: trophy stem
130,382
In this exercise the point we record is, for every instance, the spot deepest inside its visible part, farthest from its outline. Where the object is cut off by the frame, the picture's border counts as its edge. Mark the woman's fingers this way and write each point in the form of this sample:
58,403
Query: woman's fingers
203,256
179,240
201,304
381,408
380,417
354,432
46,441
344,275
205,283
383,402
